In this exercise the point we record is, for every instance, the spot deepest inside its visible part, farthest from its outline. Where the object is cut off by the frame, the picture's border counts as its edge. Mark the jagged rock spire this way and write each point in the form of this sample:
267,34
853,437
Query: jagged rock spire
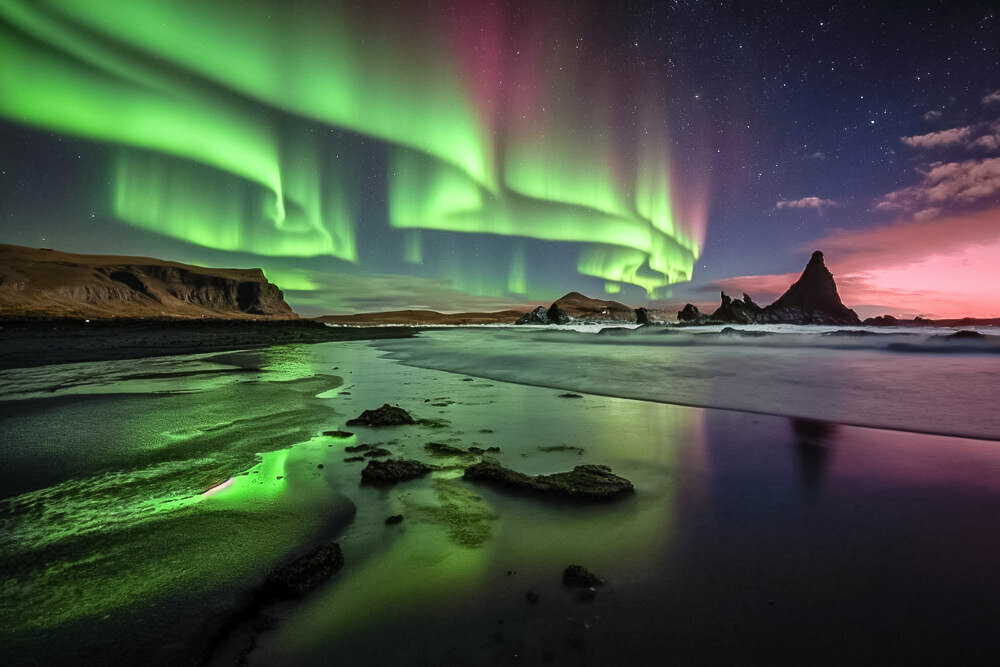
812,299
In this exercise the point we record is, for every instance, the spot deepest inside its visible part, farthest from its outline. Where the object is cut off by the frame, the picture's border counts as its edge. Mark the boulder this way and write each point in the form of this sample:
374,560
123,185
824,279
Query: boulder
591,482
388,472
387,415
577,576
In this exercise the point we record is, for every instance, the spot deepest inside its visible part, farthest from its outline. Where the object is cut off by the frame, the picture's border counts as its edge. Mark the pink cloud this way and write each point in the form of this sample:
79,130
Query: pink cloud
805,202
992,97
942,268
951,183
942,139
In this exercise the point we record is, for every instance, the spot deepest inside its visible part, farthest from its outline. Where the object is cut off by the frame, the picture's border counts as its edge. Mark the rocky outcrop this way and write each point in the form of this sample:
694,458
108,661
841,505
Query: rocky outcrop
593,482
690,314
881,321
47,283
644,318
539,315
737,311
812,299
557,315
575,307
387,415
386,473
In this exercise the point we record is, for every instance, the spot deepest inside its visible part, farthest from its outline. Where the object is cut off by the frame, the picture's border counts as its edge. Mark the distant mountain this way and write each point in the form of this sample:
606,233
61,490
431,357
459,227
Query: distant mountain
812,299
43,283
424,317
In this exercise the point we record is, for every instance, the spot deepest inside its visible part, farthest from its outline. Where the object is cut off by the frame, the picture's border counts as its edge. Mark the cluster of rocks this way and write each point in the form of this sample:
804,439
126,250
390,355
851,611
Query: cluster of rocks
812,299
576,307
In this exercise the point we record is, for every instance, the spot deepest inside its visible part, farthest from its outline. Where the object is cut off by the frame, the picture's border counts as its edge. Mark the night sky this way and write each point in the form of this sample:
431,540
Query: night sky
460,155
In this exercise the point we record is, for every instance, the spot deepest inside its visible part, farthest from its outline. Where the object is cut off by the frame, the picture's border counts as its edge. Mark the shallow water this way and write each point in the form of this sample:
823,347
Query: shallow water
916,381
751,539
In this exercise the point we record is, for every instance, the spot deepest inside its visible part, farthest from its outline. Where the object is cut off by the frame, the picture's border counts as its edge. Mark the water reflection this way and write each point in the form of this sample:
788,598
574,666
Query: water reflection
813,452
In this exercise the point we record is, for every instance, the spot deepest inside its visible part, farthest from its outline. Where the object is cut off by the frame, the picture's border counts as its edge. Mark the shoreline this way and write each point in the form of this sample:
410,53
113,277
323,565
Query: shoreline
34,343
780,489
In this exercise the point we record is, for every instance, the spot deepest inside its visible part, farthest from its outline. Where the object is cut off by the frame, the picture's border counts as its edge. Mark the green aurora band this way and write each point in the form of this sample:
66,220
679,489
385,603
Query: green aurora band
213,108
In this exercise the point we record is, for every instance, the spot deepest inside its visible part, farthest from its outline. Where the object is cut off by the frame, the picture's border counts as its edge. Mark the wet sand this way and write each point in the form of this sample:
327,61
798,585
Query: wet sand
750,539
41,342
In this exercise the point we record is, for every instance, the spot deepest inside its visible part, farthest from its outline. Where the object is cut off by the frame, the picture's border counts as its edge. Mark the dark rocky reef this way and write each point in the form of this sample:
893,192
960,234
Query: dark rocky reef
593,482
881,321
386,473
387,415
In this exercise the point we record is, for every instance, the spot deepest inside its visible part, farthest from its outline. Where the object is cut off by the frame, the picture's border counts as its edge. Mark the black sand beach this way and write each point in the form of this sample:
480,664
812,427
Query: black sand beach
749,539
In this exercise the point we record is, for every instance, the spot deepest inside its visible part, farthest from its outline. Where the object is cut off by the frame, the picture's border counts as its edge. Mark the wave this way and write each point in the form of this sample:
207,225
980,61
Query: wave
907,381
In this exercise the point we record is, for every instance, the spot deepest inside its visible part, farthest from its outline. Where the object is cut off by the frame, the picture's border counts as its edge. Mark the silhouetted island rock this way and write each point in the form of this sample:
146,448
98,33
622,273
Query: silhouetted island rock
387,415
812,299
690,314
385,473
881,321
737,312
595,482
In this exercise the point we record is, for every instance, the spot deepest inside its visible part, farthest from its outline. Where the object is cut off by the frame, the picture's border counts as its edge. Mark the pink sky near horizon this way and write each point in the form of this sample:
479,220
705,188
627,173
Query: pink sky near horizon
943,268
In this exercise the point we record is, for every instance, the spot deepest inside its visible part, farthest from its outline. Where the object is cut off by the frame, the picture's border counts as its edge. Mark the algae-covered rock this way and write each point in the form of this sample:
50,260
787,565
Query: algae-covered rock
583,482
387,415
384,473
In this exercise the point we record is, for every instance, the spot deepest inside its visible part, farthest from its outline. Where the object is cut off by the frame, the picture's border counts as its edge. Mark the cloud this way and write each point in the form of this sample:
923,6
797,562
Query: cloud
933,114
818,155
943,139
947,184
992,97
805,202
941,268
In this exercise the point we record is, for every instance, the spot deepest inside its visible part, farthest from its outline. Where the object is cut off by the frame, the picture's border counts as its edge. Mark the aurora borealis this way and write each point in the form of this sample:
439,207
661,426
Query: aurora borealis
486,154
250,128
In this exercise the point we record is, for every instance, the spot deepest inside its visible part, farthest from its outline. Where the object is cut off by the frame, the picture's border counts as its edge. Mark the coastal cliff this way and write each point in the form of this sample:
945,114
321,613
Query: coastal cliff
42,283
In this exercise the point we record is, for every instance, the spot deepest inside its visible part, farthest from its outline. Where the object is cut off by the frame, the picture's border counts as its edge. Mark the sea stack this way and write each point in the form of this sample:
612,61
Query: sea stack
812,299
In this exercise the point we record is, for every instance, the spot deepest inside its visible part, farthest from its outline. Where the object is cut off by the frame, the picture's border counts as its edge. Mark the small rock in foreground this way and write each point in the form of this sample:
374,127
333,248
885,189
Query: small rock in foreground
577,576
384,473
338,434
306,573
394,519
387,415
583,482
